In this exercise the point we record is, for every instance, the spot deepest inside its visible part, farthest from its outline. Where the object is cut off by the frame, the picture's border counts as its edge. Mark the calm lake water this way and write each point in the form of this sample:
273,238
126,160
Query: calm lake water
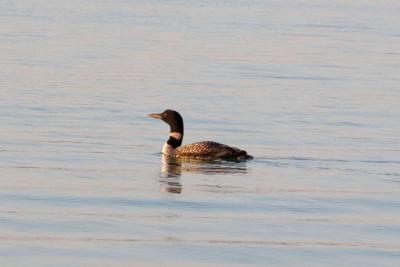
310,88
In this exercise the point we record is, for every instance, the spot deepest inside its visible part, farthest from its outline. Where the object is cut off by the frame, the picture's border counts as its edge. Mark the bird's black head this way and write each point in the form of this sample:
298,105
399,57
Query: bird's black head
172,118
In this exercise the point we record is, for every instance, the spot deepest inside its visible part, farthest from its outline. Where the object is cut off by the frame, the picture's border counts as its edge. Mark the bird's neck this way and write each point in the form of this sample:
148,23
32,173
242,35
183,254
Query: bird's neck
176,135
174,141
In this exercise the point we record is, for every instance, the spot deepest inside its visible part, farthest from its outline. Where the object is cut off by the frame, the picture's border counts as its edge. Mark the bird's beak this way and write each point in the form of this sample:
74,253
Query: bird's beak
155,115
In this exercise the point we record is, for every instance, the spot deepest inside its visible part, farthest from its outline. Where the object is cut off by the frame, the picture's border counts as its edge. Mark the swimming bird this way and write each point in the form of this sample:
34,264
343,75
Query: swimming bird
199,150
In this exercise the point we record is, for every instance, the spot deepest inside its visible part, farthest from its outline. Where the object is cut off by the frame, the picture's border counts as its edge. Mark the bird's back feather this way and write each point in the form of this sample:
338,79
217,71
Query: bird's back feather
210,149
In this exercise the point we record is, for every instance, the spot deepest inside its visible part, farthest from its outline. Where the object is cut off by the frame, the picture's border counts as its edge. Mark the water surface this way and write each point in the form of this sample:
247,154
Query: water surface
309,88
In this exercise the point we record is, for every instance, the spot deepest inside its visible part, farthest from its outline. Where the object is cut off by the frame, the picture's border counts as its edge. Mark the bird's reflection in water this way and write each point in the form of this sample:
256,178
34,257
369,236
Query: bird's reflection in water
172,168
170,180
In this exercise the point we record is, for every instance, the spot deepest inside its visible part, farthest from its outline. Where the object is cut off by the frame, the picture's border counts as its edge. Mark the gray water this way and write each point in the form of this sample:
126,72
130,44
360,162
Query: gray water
309,88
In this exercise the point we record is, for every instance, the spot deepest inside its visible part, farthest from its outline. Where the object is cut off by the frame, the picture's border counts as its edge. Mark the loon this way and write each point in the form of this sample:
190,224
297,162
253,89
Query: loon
198,150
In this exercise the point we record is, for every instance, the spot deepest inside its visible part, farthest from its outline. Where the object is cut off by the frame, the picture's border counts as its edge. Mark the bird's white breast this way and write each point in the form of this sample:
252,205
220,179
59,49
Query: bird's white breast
168,150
